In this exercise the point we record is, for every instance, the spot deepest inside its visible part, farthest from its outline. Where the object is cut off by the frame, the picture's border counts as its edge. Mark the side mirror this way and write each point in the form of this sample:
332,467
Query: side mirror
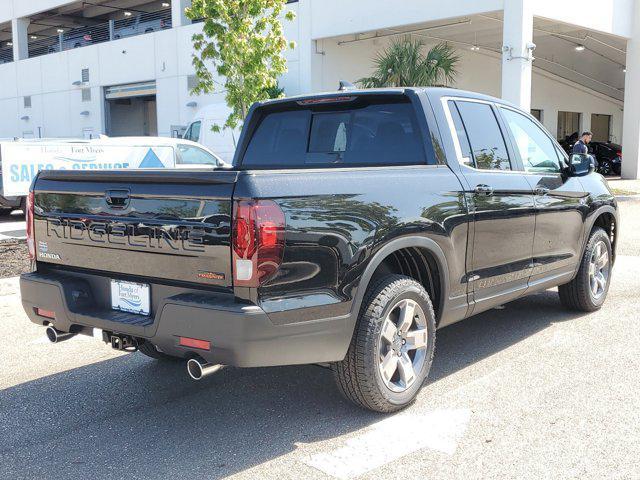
581,164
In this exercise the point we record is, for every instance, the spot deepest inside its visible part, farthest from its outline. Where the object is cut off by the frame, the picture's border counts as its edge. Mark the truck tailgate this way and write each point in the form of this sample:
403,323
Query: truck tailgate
172,225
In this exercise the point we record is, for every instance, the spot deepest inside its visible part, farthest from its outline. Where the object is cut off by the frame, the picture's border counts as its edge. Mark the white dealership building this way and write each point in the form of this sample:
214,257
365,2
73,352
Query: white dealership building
123,67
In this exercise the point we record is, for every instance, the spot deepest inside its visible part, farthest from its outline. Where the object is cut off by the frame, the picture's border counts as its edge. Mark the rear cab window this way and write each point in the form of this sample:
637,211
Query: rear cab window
358,132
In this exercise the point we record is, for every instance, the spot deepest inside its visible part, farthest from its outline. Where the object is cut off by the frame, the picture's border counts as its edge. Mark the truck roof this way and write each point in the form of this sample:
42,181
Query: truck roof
436,91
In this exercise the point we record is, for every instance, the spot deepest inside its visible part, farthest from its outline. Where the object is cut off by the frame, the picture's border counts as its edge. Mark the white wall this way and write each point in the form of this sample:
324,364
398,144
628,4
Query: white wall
163,56
480,72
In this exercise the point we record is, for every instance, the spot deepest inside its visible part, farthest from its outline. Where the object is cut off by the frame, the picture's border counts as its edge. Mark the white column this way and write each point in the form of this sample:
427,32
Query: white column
631,118
516,57
310,53
20,38
178,18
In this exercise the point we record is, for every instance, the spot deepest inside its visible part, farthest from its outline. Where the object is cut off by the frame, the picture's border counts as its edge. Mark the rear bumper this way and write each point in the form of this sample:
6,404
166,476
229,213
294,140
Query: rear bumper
241,335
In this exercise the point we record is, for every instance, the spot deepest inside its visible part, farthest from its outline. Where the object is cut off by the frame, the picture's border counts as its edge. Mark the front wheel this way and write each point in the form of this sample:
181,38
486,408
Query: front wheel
392,346
588,290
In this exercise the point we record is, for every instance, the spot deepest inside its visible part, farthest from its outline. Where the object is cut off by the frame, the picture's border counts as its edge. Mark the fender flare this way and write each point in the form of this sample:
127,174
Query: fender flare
592,220
384,252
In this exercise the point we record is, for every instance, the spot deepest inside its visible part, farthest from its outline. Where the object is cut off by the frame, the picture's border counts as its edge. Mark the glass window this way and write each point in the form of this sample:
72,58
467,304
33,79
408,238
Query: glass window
375,134
193,132
537,151
463,140
279,140
537,114
486,140
329,132
191,155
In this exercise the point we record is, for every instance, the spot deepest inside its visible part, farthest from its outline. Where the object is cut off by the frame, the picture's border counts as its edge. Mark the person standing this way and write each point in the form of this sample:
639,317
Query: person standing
581,146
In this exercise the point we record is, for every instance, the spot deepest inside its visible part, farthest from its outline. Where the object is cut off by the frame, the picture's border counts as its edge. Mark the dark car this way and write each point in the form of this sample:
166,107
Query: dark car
607,154
352,226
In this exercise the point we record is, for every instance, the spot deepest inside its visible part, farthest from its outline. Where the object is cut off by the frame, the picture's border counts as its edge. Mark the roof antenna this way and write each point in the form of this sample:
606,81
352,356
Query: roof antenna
344,85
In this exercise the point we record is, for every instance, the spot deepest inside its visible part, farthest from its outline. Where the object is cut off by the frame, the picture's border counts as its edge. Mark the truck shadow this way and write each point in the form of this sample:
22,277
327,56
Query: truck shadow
134,417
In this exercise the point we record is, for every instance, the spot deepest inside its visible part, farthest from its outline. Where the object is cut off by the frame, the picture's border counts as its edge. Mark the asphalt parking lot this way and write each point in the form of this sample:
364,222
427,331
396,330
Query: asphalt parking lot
526,391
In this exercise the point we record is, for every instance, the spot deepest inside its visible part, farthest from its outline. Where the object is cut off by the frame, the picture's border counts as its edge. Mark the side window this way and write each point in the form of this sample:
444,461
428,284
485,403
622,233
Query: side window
485,138
193,132
461,134
536,149
190,155
562,155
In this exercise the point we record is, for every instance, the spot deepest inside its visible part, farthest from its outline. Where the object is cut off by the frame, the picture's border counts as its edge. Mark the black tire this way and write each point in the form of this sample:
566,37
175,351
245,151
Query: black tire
577,294
358,376
150,350
23,206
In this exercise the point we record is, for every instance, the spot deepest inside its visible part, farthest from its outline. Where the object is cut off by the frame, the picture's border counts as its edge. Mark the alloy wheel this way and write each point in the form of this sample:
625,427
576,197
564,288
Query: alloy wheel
402,345
599,270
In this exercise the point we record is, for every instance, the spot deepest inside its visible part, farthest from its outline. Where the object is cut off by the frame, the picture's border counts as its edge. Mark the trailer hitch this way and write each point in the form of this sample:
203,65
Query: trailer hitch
120,342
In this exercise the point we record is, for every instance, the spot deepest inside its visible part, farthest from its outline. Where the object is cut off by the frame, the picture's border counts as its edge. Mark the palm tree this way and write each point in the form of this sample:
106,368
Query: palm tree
403,64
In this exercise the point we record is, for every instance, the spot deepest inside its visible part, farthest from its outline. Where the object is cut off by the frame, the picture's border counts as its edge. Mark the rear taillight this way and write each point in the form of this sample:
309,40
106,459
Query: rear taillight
31,243
258,241
619,153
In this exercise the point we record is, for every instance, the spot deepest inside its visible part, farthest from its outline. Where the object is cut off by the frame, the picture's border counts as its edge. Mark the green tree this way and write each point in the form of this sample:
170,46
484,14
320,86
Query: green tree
403,64
244,41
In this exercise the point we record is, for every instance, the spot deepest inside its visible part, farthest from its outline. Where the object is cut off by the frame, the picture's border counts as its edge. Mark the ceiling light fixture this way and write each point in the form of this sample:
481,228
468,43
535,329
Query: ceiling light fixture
166,4
9,44
33,37
61,30
127,14
580,48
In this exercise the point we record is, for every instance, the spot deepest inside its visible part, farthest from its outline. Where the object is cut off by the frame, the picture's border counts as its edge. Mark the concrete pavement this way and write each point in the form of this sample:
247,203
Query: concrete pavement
526,391
12,226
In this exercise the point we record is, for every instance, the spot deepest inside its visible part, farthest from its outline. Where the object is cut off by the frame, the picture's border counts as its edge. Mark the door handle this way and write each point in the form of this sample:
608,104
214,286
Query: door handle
541,191
483,189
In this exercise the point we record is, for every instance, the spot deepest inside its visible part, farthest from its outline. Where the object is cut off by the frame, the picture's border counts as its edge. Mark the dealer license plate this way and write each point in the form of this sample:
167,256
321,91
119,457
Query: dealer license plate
130,297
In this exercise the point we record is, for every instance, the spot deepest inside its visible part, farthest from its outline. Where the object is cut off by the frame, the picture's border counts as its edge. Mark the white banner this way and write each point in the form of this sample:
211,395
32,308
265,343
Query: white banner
21,161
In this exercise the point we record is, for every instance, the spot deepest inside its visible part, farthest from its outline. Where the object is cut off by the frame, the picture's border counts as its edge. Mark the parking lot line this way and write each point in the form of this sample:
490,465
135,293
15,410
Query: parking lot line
391,439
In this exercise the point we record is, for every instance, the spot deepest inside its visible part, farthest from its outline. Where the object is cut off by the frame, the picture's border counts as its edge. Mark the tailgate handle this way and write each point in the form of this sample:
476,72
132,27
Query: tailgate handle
117,198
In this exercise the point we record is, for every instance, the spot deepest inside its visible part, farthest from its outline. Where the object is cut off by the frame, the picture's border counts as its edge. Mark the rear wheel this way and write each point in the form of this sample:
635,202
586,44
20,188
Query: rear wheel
150,350
588,290
392,346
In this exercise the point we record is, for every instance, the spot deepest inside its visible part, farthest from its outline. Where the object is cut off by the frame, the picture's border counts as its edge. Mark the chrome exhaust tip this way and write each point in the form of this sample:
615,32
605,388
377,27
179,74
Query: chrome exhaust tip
198,370
55,336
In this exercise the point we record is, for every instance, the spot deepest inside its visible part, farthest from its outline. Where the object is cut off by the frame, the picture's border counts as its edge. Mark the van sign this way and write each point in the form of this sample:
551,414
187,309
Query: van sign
21,162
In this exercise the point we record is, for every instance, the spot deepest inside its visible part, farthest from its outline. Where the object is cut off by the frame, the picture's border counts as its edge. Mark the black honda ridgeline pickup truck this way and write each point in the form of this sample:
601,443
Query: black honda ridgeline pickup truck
352,226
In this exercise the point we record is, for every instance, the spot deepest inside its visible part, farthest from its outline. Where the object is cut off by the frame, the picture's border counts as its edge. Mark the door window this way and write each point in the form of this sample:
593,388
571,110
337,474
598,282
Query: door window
193,132
485,138
537,151
463,140
190,155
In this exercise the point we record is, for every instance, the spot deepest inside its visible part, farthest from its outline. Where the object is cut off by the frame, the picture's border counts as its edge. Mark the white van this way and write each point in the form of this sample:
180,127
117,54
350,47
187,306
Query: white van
200,130
21,161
